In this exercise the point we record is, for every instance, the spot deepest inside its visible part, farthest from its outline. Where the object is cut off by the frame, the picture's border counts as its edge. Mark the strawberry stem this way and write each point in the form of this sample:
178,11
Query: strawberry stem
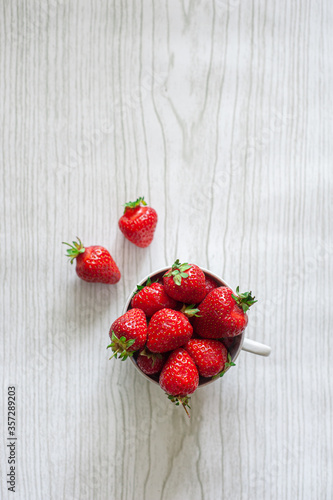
187,413
244,300
114,354
74,250
183,400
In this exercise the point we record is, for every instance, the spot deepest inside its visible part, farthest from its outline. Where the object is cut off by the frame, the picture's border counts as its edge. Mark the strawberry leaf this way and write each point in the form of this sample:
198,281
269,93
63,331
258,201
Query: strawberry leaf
178,271
154,356
190,310
227,365
136,203
177,279
244,300
141,287
120,347
124,355
74,250
185,267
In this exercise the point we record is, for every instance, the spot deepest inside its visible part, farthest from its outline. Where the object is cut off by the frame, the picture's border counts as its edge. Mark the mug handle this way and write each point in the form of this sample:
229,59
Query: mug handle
256,347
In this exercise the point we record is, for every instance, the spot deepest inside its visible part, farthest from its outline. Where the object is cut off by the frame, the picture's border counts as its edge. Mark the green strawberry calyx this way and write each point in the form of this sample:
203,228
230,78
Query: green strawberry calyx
244,300
136,203
227,365
120,347
154,356
178,271
74,250
183,400
190,310
141,287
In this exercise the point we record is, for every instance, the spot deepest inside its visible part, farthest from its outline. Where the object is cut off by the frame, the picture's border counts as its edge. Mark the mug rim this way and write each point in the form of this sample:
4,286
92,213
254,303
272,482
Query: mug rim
161,271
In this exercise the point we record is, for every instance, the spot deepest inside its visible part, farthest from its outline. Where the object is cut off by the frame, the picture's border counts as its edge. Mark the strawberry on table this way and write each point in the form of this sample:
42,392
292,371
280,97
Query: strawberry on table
150,363
138,222
223,314
185,283
179,377
210,356
151,298
128,333
93,264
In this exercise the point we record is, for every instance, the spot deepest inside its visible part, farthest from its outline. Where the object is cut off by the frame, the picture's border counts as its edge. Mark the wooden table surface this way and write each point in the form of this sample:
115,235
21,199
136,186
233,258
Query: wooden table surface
219,113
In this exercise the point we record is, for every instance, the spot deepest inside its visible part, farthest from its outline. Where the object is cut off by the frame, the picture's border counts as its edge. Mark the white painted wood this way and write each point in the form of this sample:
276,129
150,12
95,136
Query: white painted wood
220,114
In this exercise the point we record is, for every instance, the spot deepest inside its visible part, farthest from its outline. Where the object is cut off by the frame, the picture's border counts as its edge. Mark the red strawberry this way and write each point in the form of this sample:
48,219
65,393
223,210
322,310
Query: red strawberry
150,363
223,314
167,330
128,333
138,222
179,377
210,356
228,342
93,264
185,283
210,284
151,298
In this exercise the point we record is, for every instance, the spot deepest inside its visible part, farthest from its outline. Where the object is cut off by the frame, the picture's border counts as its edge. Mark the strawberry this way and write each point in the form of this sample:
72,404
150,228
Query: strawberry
93,264
185,283
228,342
138,222
151,298
150,363
210,284
223,314
167,330
210,356
179,377
128,333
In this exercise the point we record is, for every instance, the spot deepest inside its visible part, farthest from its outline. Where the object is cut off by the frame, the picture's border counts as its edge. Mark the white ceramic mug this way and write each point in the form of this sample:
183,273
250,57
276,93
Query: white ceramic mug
239,343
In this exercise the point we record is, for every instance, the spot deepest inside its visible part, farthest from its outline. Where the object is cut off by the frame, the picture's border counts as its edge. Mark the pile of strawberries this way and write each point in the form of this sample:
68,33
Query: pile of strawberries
178,329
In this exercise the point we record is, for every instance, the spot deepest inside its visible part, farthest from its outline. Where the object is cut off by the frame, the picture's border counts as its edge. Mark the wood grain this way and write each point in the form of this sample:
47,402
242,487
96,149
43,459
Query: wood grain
220,114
